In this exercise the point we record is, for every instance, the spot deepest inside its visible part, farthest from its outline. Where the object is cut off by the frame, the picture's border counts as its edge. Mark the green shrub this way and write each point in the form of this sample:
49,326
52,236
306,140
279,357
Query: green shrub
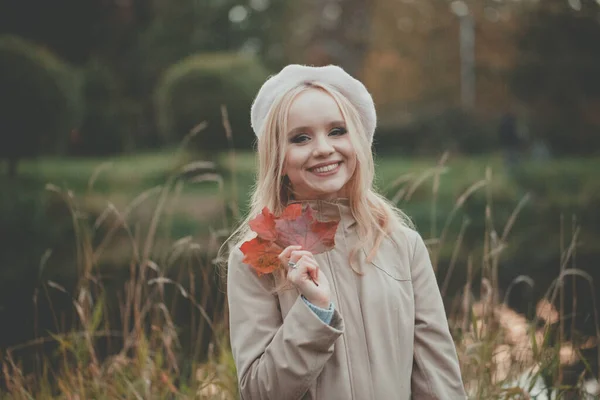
103,129
38,100
567,190
193,90
27,232
556,75
432,133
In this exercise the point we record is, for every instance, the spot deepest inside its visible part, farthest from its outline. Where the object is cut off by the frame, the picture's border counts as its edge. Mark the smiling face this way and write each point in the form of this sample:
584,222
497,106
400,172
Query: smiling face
319,158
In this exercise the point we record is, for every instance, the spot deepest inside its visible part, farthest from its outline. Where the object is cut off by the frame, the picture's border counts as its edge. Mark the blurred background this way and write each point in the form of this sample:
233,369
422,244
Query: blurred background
127,156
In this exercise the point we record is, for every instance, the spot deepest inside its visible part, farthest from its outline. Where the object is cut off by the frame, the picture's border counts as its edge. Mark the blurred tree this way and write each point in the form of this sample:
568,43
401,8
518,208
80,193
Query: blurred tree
413,61
179,28
103,128
39,100
163,32
193,90
137,40
557,74
68,27
451,129
413,69
328,32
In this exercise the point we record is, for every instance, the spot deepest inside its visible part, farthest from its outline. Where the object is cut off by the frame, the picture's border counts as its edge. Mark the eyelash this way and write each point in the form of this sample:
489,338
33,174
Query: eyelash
339,132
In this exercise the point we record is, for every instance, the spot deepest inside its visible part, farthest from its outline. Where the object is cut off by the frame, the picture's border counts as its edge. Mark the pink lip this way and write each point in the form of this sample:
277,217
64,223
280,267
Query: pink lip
324,164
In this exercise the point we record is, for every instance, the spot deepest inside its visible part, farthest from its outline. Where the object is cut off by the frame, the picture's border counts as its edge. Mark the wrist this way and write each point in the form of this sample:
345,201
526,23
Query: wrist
322,302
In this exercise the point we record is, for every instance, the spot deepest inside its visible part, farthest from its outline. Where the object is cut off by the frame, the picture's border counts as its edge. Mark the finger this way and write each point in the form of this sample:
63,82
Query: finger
303,267
308,268
296,255
314,272
306,263
287,251
285,254
305,271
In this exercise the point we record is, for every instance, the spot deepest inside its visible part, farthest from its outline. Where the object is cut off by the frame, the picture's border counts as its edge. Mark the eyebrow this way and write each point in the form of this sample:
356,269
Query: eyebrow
306,128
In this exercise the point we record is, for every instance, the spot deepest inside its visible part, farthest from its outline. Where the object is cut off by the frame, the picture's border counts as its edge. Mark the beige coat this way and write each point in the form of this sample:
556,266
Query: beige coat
388,339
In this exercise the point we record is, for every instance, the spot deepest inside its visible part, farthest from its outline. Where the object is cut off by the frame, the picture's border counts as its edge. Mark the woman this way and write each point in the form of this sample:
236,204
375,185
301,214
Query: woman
364,320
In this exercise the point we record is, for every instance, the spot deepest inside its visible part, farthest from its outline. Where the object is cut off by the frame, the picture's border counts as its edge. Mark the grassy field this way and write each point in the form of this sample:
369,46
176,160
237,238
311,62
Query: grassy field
121,179
137,310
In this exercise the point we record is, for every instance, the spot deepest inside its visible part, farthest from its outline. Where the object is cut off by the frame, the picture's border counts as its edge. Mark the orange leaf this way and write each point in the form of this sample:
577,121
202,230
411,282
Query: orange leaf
261,255
292,211
295,226
264,225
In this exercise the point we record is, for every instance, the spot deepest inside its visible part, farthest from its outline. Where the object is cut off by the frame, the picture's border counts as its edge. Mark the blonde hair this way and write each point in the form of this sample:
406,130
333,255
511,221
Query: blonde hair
374,214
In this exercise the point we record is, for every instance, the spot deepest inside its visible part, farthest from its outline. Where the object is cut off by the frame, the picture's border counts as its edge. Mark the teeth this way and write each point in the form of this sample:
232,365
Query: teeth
326,168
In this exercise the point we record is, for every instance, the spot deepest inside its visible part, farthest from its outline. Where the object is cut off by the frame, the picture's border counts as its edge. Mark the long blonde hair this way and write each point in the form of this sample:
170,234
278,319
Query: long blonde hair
373,213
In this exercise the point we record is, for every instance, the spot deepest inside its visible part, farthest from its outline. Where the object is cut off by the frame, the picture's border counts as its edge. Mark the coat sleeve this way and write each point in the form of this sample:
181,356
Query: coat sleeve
275,358
436,372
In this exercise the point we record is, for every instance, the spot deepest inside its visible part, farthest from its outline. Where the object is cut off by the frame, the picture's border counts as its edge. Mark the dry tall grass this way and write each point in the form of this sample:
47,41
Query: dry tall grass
503,355
150,361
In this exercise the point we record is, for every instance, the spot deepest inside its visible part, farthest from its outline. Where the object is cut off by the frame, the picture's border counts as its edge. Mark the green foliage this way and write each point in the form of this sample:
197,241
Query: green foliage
27,233
38,100
568,195
432,133
193,90
177,28
557,74
103,129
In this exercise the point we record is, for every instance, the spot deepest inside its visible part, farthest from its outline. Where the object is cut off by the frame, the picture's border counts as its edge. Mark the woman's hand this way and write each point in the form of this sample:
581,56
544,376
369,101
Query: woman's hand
305,274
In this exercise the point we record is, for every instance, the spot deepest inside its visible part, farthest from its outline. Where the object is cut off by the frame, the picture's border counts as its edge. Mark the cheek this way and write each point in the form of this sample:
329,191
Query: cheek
295,158
291,163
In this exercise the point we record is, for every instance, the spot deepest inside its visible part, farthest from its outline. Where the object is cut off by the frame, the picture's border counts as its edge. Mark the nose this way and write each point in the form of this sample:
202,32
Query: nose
323,146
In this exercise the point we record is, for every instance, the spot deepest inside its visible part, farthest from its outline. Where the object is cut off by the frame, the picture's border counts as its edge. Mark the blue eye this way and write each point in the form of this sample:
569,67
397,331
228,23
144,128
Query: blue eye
339,131
299,138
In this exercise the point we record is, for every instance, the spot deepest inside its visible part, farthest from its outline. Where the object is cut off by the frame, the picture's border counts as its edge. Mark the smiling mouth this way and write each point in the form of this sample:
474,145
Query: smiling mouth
325,169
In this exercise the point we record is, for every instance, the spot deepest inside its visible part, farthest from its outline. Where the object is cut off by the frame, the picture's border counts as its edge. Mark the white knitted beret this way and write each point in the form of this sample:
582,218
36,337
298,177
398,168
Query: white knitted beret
294,75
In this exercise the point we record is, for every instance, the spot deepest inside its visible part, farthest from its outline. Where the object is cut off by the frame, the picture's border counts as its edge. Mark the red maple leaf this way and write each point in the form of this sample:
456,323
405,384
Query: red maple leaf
304,230
292,211
295,226
264,225
261,255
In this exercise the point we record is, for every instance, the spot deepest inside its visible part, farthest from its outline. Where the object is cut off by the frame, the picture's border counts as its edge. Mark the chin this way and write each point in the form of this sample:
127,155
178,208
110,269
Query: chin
329,191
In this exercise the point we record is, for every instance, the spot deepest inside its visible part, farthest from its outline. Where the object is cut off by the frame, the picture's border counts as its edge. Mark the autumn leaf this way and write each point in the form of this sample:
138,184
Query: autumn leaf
304,230
295,226
261,255
264,225
292,211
